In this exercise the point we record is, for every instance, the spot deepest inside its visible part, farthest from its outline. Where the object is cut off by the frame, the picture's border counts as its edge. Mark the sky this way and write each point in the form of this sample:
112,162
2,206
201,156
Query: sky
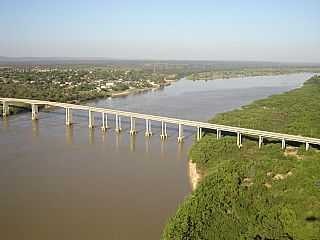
265,30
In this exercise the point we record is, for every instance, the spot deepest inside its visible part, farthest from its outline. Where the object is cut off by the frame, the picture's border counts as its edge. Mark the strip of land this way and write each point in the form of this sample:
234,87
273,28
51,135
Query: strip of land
253,193
213,74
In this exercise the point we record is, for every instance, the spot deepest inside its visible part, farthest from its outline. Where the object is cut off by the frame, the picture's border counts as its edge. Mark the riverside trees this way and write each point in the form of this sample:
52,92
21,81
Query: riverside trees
253,193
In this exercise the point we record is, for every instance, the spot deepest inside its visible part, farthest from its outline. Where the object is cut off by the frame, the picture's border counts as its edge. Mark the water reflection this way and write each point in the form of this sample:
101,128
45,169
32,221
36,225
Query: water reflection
180,150
35,128
132,143
91,135
162,148
118,140
5,123
147,144
103,136
69,134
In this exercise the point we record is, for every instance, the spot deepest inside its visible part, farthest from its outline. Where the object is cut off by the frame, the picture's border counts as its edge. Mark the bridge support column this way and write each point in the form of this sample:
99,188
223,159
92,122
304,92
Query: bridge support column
239,140
118,123
35,112
132,126
307,146
163,134
218,134
283,144
199,133
91,119
148,132
260,141
68,116
104,126
5,109
180,136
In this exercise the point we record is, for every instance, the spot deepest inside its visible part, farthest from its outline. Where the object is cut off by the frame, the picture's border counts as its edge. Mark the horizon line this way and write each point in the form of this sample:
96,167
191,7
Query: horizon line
153,59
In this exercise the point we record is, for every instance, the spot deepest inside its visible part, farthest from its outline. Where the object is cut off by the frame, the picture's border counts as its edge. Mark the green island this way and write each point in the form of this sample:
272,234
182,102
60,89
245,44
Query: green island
213,74
252,193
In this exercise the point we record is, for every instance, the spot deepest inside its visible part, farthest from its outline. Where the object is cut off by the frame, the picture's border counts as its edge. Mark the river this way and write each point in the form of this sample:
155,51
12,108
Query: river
74,183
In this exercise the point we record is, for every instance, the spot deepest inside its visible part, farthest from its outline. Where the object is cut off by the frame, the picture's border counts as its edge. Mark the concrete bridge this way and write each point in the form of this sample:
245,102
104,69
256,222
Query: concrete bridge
117,114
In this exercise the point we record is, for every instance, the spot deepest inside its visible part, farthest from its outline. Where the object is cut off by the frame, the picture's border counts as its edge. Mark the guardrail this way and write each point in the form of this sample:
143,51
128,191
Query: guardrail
148,117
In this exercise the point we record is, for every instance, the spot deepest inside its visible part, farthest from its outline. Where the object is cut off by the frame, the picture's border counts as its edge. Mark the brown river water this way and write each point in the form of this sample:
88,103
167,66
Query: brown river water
71,183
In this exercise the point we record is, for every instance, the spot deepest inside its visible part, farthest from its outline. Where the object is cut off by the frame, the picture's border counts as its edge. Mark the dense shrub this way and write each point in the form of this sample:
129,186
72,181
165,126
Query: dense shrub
253,193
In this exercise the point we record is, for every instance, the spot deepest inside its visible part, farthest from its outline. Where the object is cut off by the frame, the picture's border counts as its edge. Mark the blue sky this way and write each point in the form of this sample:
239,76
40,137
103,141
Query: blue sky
280,30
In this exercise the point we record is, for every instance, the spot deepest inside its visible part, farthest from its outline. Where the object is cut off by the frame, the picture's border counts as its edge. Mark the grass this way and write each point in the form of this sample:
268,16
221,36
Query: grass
253,193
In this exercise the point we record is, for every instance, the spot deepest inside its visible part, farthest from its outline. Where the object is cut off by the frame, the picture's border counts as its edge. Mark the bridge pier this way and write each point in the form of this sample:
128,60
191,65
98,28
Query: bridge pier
307,146
35,112
218,134
34,104
68,116
199,133
163,134
260,141
132,126
148,132
239,140
5,109
118,124
91,119
180,136
104,126
283,144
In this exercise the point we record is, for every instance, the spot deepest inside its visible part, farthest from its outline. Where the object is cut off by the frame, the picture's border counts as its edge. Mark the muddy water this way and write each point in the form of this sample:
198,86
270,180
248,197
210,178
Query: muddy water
73,183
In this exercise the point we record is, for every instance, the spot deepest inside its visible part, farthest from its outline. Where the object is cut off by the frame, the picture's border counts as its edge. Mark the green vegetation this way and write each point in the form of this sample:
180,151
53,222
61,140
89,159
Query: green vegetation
248,72
74,84
253,193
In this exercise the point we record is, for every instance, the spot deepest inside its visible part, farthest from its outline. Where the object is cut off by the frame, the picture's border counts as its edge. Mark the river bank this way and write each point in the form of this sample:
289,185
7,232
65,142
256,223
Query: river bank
248,72
16,110
138,91
251,193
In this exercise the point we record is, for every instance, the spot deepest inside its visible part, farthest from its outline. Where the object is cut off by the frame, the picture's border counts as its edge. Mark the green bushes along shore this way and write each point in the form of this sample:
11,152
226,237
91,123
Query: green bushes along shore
253,193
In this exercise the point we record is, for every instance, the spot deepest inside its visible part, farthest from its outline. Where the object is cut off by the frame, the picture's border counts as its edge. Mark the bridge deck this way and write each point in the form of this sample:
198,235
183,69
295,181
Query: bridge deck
244,131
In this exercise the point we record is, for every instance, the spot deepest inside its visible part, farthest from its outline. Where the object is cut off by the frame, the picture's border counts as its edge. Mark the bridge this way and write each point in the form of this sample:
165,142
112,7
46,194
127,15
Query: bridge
200,126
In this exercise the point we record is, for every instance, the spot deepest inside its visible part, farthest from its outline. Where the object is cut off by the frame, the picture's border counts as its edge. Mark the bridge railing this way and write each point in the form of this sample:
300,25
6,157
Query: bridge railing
199,125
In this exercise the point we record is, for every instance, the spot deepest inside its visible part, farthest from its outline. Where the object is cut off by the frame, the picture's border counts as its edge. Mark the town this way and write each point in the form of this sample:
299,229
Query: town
77,83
